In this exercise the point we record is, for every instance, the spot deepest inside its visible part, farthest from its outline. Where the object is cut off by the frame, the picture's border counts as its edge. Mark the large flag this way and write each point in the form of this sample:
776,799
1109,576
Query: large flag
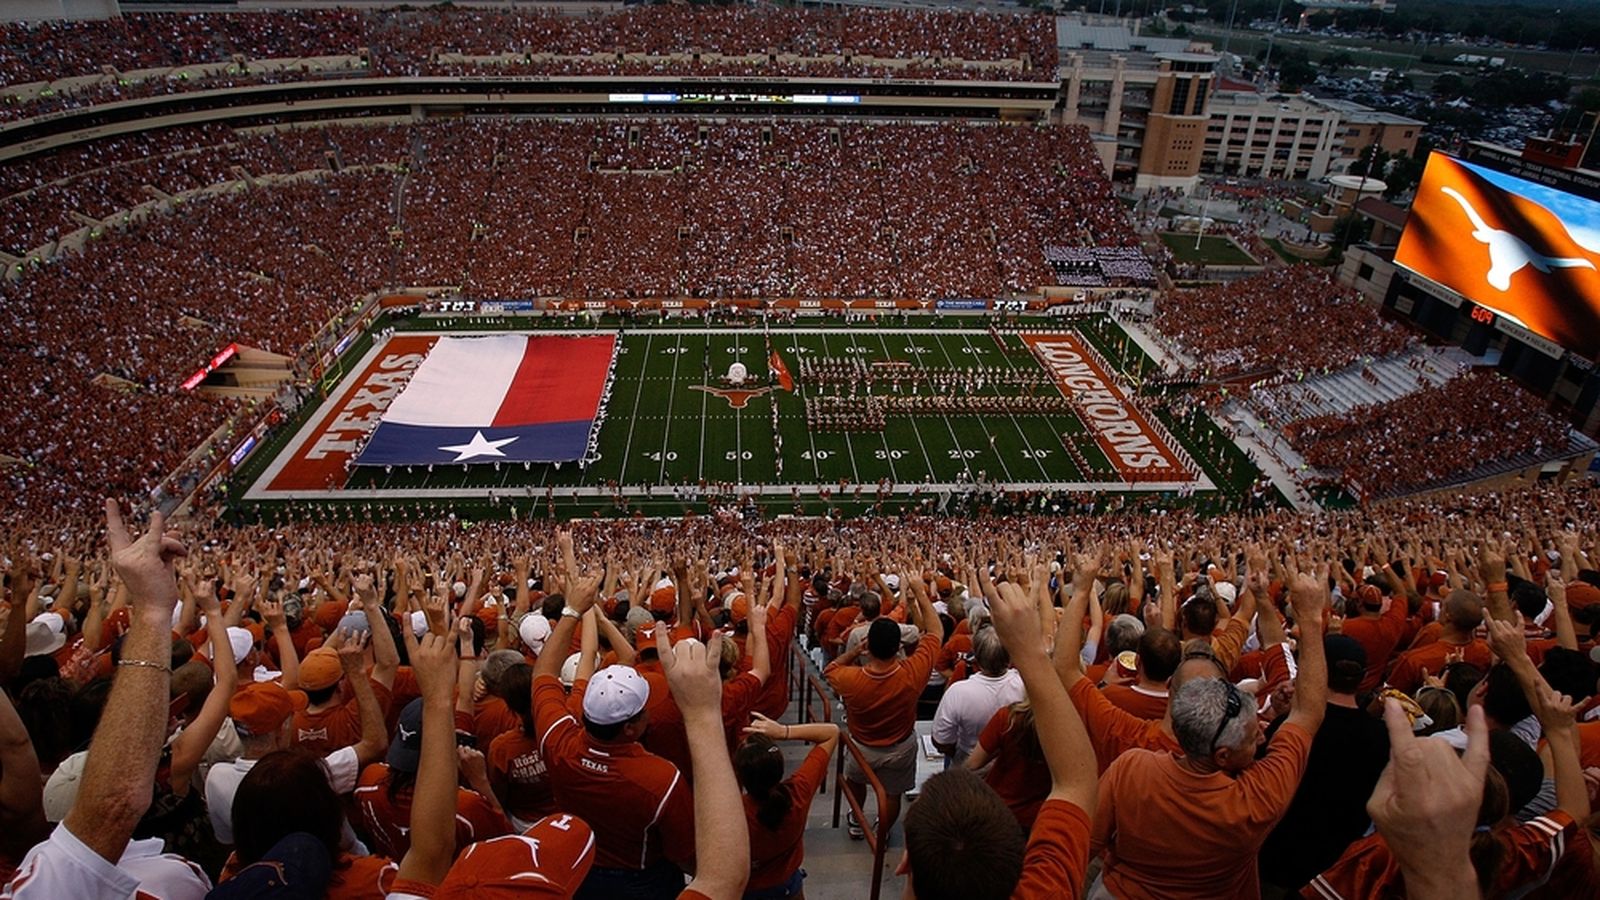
780,372
507,398
1524,250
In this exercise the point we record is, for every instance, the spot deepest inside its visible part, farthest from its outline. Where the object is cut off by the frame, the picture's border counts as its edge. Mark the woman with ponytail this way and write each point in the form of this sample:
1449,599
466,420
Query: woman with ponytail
776,807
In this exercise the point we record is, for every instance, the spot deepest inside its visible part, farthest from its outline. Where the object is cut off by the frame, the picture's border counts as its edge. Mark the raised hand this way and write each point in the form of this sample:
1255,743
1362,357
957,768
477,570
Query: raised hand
352,652
146,565
433,661
693,672
1427,800
1016,618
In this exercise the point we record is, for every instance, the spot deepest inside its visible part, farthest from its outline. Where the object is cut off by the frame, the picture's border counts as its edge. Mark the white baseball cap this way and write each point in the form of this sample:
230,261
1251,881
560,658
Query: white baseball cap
242,642
535,630
615,694
419,623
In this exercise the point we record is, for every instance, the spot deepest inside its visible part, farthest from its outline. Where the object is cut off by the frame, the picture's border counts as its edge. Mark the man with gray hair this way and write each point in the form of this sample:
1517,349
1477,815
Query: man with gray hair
969,704
1191,825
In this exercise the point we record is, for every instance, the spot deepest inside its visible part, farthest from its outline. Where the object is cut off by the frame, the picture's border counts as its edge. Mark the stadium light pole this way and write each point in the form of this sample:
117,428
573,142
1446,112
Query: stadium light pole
1277,21
1227,37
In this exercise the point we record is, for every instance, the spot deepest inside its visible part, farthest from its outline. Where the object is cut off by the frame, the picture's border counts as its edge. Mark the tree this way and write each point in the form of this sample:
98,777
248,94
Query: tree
1405,172
1449,86
1295,70
1338,60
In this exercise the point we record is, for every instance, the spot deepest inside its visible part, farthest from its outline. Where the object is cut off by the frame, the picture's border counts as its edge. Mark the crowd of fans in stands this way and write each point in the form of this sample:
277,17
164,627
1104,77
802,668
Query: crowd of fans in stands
1369,703
214,50
1432,435
669,208
1297,320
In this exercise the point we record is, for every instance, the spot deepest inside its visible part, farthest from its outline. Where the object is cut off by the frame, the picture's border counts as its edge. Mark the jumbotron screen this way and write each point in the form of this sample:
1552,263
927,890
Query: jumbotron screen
1524,250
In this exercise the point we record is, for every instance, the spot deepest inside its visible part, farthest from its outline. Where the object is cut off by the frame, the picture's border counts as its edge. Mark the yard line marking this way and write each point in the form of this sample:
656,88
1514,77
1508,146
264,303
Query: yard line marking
1014,423
999,457
666,430
850,446
700,472
888,454
915,428
628,445
811,439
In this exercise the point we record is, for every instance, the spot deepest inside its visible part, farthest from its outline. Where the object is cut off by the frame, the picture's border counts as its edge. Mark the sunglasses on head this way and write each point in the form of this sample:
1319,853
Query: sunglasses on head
1235,705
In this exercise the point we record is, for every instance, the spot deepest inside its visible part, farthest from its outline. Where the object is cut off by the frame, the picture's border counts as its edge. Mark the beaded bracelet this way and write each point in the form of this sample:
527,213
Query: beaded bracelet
145,664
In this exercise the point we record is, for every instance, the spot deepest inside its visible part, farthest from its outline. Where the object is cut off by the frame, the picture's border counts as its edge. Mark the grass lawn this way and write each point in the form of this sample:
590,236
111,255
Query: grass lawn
1213,250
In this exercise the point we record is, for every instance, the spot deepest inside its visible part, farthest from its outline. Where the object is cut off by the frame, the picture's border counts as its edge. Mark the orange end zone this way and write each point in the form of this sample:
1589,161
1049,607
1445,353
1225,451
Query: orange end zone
321,459
1134,447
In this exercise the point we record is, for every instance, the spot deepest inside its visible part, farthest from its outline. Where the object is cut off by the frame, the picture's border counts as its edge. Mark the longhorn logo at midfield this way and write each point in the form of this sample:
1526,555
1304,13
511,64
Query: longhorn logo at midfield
736,397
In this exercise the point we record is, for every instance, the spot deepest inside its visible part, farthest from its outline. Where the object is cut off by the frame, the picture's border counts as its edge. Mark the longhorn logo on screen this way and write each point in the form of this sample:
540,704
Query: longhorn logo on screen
1509,254
1529,252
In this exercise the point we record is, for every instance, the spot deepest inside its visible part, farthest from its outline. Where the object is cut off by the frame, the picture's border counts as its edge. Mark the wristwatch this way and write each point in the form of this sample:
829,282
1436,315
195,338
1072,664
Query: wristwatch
569,611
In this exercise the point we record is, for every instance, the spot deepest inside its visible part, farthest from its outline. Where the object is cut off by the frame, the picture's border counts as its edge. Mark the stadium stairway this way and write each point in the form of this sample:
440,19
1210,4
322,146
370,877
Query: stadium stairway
837,868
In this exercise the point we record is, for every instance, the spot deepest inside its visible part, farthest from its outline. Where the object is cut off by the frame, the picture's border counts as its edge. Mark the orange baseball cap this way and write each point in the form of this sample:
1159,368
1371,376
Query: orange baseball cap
260,707
328,615
550,859
663,599
645,638
739,608
320,669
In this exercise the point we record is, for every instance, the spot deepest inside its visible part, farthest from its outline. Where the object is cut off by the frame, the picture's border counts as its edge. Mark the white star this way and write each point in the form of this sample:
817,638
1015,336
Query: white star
478,446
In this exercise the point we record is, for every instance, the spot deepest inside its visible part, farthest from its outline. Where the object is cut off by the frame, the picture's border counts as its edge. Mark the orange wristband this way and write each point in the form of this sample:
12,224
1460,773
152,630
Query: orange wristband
1497,587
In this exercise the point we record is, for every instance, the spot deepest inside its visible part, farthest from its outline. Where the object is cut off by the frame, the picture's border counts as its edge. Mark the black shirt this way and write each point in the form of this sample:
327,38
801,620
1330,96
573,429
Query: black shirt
1329,811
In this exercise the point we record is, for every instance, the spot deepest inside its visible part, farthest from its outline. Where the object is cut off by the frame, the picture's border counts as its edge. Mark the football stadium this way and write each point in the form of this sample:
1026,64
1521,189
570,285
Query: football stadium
770,451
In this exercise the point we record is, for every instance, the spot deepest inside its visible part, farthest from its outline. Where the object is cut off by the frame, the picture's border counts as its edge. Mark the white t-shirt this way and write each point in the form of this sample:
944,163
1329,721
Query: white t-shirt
344,769
64,866
968,705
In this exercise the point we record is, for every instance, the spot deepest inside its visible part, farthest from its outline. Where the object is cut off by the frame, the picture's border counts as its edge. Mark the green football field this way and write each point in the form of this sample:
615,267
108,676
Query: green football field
666,447
660,430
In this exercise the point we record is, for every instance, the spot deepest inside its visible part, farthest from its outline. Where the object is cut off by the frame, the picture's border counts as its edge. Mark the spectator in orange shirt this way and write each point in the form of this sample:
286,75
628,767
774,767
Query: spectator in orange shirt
1459,619
637,802
880,701
1190,825
1159,654
324,721
775,807
1378,627
961,838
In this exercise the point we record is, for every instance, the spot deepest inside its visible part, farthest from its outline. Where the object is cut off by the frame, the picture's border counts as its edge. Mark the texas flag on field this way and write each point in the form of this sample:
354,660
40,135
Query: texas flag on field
508,398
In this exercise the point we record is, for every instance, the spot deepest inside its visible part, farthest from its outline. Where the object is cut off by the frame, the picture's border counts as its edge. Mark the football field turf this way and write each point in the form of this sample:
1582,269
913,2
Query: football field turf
659,430
665,444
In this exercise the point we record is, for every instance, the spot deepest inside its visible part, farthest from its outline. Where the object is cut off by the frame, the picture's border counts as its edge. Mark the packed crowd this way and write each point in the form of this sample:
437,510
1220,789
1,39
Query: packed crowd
195,51
1295,319
1398,701
1430,436
268,266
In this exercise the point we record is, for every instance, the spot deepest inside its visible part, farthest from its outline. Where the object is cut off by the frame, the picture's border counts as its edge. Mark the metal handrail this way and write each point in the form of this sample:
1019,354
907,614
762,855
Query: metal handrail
809,688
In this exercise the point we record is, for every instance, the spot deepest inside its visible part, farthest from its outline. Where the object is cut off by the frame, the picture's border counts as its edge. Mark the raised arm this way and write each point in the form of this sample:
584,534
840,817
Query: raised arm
385,656
1308,595
1069,633
374,736
1168,582
722,842
756,643
433,802
190,747
1062,738
119,773
1561,617
288,656
1555,713
21,803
